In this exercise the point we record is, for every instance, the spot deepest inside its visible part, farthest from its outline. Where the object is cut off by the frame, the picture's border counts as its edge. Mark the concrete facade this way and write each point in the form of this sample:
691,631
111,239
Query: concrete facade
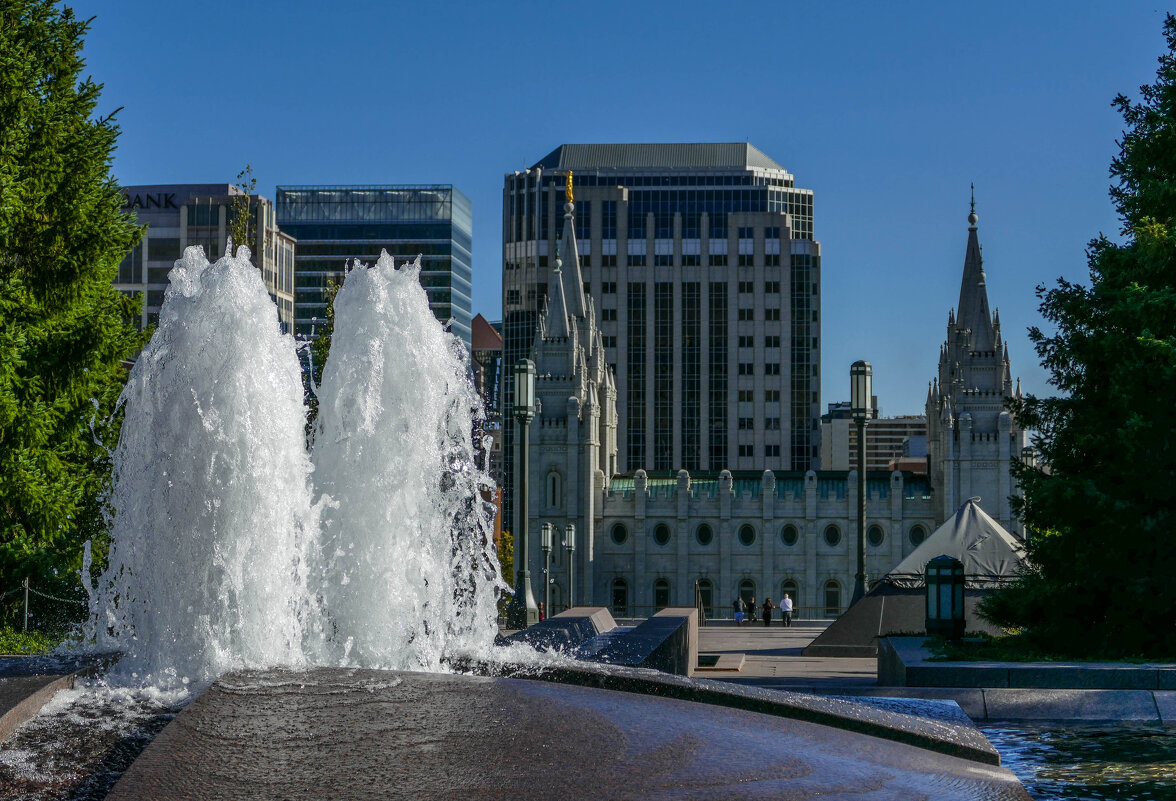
182,215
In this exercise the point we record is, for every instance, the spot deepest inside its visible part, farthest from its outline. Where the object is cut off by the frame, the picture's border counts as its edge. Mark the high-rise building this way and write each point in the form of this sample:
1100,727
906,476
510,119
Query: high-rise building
335,224
181,215
706,277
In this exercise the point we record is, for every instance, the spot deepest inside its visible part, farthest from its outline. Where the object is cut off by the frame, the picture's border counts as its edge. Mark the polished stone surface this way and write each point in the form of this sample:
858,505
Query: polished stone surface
370,734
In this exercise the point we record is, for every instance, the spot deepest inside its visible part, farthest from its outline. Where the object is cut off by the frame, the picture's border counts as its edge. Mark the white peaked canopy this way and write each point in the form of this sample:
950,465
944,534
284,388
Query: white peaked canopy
991,555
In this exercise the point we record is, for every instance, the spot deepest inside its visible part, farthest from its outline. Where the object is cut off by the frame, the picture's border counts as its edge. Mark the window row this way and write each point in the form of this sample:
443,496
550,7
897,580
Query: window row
704,596
747,534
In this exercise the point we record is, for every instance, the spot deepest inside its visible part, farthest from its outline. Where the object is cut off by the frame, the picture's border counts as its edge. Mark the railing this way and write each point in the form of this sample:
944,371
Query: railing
28,589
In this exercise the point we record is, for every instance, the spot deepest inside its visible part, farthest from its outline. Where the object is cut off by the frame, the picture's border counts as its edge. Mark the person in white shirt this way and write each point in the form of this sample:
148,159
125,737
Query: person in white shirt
786,609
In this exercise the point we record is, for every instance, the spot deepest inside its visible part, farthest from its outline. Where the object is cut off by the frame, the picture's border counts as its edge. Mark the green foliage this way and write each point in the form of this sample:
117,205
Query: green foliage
320,347
14,641
1103,552
243,214
63,328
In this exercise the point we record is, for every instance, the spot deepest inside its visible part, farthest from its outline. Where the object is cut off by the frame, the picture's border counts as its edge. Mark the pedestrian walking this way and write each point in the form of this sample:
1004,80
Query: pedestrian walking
768,607
738,610
786,609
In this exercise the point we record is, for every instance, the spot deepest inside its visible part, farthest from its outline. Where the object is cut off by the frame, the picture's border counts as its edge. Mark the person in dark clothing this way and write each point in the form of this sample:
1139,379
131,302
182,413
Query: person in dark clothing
768,611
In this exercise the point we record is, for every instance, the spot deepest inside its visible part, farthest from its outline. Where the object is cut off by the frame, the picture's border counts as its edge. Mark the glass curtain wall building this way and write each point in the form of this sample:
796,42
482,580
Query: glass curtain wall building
335,224
706,279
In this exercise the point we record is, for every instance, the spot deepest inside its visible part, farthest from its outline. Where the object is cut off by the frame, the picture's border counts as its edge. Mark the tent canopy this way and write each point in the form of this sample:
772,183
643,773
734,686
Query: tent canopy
991,555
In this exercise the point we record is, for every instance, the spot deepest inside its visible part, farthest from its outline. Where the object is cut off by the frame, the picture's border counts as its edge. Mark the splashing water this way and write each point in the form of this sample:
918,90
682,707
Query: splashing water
403,567
230,550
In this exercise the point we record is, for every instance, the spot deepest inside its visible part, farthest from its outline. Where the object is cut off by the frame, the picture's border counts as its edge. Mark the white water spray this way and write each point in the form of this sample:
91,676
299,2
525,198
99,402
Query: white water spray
218,560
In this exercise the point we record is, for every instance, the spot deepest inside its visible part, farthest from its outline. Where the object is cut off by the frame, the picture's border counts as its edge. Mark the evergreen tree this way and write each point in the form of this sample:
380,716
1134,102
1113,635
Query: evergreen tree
63,328
1102,513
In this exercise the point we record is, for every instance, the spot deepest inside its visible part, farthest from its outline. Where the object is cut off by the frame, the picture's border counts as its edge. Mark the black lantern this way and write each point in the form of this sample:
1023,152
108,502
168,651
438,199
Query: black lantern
945,597
570,544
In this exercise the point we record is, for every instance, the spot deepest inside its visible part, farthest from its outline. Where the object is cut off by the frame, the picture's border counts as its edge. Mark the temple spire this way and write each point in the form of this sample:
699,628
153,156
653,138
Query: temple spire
973,310
557,310
570,253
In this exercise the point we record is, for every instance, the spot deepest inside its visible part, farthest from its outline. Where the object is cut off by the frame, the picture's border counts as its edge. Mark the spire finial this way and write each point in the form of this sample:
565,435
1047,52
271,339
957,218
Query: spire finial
972,218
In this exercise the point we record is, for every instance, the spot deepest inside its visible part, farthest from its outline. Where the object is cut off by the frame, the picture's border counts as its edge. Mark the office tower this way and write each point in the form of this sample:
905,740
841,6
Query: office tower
335,224
706,278
181,215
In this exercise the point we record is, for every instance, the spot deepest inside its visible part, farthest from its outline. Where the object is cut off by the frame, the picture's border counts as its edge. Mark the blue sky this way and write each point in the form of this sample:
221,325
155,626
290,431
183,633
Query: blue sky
886,110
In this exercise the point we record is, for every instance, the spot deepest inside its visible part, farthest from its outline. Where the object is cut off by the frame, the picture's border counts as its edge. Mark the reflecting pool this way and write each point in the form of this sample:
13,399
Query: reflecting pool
1075,761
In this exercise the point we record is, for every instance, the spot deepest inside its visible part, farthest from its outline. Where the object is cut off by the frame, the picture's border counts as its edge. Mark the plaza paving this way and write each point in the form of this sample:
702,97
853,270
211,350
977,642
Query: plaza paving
772,658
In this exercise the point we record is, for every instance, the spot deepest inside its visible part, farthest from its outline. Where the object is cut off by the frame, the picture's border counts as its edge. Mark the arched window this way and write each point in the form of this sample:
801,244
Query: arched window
789,535
557,602
661,534
747,534
620,598
747,592
917,535
705,534
790,588
661,594
832,598
706,594
619,533
875,536
554,490
832,536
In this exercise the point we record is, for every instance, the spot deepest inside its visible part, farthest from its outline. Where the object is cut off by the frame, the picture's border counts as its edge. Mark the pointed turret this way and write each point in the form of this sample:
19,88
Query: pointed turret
570,253
557,312
973,307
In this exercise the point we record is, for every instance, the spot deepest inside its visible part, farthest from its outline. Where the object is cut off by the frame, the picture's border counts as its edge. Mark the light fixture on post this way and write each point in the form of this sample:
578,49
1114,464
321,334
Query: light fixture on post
861,379
945,597
545,546
523,611
570,544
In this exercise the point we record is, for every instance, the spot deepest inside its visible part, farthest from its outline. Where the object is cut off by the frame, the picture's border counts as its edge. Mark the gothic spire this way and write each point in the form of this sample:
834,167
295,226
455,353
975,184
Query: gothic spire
973,307
557,312
570,253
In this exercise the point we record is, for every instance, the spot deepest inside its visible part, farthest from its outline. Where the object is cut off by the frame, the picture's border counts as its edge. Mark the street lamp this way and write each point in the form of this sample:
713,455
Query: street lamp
861,376
570,544
545,545
523,611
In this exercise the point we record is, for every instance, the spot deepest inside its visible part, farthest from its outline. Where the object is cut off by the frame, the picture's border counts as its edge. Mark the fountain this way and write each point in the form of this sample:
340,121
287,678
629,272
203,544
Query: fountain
234,547
311,602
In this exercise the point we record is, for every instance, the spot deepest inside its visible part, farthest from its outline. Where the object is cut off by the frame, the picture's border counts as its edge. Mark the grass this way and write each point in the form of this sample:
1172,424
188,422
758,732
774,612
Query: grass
15,641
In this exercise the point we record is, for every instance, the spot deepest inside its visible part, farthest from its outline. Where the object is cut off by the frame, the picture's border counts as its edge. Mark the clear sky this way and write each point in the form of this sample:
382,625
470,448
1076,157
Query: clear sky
886,110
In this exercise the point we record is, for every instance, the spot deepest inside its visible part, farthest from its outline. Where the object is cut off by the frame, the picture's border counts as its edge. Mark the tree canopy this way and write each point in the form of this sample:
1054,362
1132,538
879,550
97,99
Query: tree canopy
64,329
1100,510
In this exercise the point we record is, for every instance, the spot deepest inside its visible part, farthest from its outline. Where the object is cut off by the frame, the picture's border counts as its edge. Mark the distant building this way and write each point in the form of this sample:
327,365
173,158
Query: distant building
706,279
885,437
335,224
972,439
181,215
486,362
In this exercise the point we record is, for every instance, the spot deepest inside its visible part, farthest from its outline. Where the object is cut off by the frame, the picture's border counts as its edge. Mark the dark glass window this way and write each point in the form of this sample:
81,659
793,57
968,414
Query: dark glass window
619,533
661,534
664,345
789,535
832,599
608,219
746,534
620,598
717,362
875,536
705,534
832,536
917,535
635,430
691,348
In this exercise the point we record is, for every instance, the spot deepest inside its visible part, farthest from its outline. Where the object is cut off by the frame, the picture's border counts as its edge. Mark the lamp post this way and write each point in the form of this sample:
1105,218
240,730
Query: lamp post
545,546
523,611
570,544
861,376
